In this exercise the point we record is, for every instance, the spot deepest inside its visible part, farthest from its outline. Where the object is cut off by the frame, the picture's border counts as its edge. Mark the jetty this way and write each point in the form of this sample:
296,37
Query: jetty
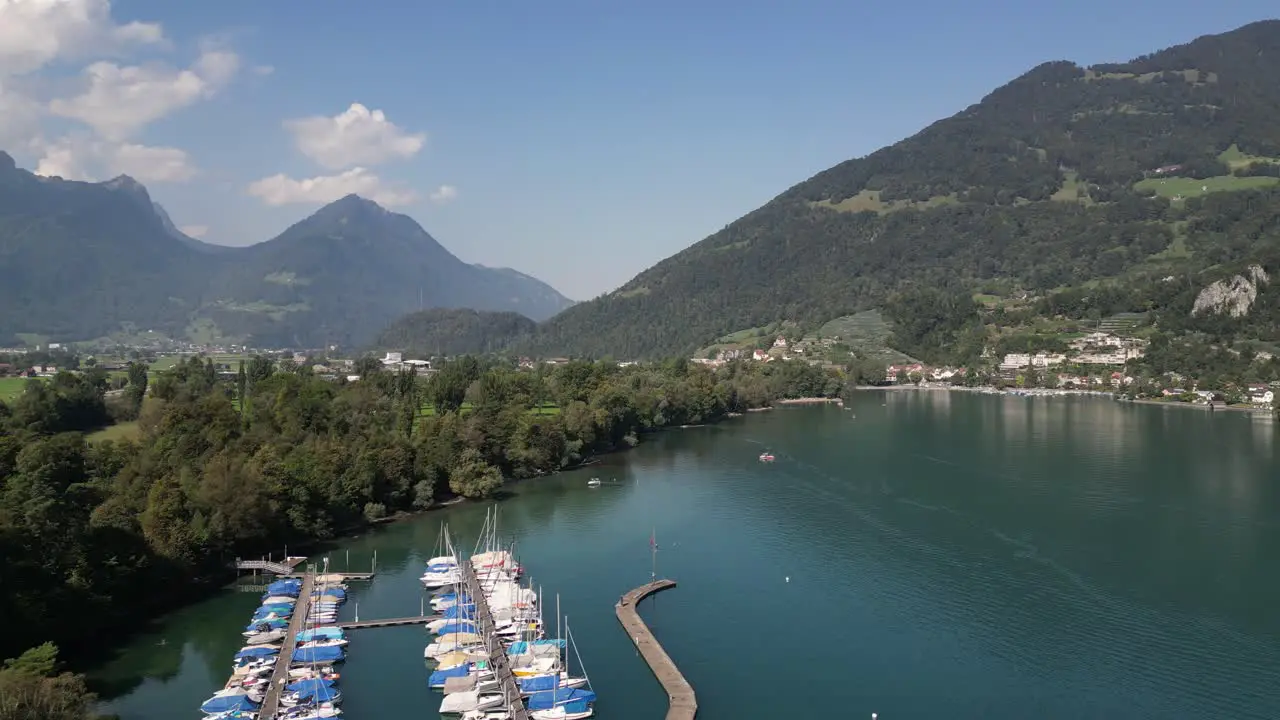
287,567
498,659
683,705
280,676
388,622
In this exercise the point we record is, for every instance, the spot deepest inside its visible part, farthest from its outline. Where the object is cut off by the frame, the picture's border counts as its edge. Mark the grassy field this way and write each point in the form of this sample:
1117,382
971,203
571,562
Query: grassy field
866,332
1182,188
11,387
121,431
869,200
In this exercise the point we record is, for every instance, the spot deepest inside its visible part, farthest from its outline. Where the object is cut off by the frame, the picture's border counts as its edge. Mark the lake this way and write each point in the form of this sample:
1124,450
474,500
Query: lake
918,555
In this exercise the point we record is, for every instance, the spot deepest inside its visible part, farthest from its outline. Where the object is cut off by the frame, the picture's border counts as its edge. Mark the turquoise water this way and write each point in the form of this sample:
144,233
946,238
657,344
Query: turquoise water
922,555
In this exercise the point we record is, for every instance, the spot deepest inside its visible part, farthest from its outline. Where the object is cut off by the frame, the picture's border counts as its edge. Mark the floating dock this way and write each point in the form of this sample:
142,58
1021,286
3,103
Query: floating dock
498,654
683,704
280,676
389,622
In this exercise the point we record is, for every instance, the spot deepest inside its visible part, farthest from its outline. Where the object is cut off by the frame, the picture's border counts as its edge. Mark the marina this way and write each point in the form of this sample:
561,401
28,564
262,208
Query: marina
285,669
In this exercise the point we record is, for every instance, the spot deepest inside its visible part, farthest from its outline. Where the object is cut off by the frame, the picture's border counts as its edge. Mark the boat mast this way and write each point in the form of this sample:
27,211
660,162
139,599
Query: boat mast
653,546
576,654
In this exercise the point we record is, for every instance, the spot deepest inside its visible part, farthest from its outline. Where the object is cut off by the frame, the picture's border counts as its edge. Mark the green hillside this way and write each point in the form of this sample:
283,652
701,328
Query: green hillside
1111,177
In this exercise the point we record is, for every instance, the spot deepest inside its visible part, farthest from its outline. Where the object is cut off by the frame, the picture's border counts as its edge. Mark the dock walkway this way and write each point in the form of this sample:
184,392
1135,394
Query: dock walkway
498,654
280,676
388,622
683,704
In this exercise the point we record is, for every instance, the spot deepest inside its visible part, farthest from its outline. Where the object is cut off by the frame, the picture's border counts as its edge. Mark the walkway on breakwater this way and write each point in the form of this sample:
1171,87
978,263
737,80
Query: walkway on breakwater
280,677
683,704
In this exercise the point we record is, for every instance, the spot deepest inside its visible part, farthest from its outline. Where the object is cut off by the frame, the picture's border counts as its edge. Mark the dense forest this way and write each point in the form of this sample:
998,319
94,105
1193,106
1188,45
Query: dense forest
1045,184
227,468
445,332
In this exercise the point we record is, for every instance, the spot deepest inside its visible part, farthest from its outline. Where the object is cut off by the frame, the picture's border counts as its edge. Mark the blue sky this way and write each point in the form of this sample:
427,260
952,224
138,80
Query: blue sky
577,141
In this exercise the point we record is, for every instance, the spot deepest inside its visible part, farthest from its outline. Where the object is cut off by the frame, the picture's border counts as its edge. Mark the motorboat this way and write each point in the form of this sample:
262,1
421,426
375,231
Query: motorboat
571,711
458,703
264,638
301,673
593,482
766,457
323,642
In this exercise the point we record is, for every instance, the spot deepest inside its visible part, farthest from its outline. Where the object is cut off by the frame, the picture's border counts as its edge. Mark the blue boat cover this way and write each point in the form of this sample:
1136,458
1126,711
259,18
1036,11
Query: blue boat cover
550,698
441,567
256,652
227,703
521,647
465,612
458,626
439,676
318,654
303,684
316,689
539,683
331,633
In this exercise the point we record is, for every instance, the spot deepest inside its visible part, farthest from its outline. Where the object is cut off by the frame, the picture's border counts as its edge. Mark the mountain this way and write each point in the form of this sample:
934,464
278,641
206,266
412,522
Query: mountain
84,260
1067,177
79,259
180,236
443,331
351,268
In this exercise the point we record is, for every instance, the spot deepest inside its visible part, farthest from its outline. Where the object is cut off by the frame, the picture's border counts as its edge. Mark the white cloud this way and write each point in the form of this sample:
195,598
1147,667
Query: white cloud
195,231
19,117
444,194
283,190
88,158
263,70
122,100
356,136
34,33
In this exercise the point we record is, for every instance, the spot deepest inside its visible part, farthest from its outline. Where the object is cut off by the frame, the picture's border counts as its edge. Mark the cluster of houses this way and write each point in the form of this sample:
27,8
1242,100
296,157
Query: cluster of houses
782,349
1093,349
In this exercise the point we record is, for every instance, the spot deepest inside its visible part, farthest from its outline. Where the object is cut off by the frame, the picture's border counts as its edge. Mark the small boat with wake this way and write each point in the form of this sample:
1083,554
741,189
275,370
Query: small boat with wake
766,457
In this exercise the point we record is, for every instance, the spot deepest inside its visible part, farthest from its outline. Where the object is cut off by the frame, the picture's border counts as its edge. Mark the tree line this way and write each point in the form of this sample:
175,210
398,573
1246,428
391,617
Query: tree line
98,535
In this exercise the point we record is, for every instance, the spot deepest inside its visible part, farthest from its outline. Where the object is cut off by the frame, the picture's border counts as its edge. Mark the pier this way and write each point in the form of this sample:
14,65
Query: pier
279,568
683,704
389,622
280,676
497,653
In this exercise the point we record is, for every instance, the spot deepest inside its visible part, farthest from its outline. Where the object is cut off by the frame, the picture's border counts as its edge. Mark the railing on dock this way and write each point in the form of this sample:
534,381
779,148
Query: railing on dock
498,655
271,703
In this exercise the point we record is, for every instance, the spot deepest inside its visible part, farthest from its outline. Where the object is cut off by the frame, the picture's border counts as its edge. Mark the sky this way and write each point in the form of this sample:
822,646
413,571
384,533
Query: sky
577,141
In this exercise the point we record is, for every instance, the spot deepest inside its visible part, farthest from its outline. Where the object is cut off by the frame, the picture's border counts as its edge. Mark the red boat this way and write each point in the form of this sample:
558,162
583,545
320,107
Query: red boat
766,457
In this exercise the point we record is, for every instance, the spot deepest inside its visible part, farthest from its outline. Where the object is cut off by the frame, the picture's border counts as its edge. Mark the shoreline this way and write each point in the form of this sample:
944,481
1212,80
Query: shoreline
1054,392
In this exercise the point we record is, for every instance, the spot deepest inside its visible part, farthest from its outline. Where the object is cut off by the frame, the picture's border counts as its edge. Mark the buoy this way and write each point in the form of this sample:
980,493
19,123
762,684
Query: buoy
788,578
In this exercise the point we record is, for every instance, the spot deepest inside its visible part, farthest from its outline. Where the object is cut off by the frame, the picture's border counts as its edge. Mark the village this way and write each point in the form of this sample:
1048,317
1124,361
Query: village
1096,362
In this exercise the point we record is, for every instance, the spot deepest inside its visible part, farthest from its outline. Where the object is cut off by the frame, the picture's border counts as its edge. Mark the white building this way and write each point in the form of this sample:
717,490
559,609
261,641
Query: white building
1015,361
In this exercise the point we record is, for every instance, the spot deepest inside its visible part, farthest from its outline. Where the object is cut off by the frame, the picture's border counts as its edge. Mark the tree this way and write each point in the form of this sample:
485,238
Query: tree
473,477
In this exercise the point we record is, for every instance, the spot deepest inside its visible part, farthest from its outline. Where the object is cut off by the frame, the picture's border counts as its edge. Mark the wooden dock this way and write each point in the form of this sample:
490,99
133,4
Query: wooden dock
498,654
280,677
345,576
683,704
389,622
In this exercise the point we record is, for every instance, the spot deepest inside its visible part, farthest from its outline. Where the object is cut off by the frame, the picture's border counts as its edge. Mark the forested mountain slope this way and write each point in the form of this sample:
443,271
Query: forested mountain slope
83,260
1065,176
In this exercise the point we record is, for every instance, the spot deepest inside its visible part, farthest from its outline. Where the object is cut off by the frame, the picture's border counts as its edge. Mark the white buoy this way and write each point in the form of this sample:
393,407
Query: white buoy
788,578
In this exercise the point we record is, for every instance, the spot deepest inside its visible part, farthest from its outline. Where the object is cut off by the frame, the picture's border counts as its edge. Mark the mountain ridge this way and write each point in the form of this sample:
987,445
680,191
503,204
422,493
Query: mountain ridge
1064,176
334,277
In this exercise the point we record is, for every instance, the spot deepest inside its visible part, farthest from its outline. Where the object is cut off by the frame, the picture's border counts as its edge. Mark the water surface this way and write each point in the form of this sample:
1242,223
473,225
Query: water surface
920,555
